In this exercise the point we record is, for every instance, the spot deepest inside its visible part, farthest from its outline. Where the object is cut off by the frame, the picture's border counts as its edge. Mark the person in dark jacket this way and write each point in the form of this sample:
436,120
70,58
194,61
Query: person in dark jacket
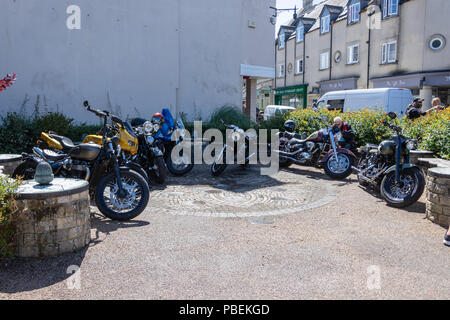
414,110
347,139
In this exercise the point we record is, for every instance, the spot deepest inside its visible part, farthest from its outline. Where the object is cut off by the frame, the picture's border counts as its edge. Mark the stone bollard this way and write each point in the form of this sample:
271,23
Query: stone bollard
415,155
438,196
52,220
10,162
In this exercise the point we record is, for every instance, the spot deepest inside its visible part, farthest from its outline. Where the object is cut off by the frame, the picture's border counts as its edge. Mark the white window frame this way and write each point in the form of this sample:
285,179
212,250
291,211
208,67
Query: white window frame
353,12
386,50
324,61
281,70
300,33
282,41
389,9
325,22
299,63
351,54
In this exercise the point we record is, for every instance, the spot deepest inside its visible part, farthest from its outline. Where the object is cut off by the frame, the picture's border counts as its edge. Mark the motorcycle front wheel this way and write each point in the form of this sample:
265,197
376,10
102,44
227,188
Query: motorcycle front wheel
217,169
27,170
407,191
340,169
122,207
159,172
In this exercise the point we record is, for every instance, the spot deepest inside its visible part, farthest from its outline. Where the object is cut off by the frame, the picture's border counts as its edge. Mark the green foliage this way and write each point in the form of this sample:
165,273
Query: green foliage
19,133
8,187
230,115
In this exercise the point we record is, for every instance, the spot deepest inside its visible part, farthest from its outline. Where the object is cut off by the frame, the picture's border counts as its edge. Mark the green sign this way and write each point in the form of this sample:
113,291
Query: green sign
291,90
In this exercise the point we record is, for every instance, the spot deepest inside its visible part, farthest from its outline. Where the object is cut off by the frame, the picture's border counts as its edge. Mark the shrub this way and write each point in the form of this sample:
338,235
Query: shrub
19,133
8,187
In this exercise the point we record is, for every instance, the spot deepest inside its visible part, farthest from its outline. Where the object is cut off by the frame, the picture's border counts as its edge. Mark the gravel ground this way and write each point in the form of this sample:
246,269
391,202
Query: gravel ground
333,251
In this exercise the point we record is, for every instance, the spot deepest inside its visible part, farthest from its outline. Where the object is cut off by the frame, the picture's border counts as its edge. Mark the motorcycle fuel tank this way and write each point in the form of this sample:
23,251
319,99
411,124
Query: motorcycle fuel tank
87,152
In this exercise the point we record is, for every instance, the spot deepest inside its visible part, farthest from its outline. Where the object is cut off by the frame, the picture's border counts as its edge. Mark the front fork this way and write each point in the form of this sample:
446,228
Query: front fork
398,154
122,192
333,144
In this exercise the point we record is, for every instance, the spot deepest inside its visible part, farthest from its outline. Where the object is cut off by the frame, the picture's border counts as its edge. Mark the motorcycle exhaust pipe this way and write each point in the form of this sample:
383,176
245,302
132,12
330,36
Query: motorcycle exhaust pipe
288,154
295,160
356,170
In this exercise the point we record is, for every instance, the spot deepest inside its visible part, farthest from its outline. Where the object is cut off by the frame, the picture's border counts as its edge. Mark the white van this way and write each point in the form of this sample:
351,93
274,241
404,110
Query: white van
389,100
271,111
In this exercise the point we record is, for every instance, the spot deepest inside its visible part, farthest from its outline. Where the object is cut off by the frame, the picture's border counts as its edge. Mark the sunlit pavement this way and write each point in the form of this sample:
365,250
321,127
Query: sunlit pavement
294,235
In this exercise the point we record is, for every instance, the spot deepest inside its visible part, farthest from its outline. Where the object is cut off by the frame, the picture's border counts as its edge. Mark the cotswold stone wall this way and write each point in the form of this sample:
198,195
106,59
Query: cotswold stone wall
438,196
52,226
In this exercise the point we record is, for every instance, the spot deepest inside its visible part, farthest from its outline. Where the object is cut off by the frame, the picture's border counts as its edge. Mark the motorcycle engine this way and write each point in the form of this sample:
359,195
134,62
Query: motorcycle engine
310,146
79,170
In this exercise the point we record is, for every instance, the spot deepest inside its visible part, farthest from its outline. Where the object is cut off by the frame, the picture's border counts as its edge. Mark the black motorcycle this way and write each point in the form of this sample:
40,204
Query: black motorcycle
387,166
321,149
149,155
120,193
177,164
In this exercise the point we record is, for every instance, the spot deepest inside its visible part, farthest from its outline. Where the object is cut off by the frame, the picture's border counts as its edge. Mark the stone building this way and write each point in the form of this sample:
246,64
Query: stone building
357,44
134,57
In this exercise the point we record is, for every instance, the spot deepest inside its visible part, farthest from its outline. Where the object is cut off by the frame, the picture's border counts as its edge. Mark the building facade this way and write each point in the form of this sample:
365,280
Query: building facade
134,57
358,44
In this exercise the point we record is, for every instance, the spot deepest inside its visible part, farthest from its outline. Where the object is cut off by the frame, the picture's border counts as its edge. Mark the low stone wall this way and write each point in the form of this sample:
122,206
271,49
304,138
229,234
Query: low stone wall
53,220
10,162
438,196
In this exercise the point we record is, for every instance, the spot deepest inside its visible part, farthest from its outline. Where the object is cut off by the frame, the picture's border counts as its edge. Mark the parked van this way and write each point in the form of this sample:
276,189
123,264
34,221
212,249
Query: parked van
271,111
389,100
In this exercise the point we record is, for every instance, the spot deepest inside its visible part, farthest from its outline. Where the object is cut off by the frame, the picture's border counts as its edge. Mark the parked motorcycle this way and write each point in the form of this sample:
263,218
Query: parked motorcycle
119,192
239,150
387,166
149,155
181,164
320,149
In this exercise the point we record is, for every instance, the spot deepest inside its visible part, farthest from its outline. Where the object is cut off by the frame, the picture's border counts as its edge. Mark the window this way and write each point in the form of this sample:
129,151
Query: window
300,33
281,70
325,24
324,60
353,54
390,8
353,12
281,41
389,54
299,66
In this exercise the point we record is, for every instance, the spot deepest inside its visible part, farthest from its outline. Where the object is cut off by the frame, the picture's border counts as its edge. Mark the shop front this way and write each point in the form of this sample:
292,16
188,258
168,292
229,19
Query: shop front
350,83
295,96
427,85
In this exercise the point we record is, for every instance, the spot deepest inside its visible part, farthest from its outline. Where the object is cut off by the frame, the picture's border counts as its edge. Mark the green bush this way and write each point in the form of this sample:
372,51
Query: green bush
19,133
8,187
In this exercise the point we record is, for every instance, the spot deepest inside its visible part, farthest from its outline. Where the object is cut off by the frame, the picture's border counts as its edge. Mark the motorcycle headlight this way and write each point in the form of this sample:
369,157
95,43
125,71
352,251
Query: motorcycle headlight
412,145
148,127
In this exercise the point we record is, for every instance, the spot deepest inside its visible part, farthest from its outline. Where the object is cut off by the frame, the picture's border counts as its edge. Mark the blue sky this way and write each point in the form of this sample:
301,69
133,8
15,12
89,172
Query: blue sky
285,17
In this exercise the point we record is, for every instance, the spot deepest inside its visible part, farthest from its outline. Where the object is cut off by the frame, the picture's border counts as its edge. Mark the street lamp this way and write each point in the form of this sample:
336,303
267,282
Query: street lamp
273,19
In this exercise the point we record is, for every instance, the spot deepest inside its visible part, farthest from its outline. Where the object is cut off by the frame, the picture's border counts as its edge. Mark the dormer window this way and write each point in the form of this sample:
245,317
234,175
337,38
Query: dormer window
390,8
325,24
300,33
353,12
282,41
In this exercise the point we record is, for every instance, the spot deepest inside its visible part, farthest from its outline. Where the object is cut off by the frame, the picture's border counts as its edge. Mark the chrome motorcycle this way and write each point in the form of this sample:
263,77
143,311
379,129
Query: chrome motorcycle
320,149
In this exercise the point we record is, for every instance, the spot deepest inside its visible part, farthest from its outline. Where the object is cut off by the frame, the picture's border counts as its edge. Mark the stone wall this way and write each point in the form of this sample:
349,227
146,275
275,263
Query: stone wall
52,226
9,163
438,196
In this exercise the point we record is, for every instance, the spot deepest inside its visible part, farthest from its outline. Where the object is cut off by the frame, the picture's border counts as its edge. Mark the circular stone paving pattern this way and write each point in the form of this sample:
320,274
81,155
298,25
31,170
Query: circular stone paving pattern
241,193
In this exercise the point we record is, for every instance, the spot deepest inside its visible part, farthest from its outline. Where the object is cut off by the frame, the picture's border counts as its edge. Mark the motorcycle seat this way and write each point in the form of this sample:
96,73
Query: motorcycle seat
66,143
53,156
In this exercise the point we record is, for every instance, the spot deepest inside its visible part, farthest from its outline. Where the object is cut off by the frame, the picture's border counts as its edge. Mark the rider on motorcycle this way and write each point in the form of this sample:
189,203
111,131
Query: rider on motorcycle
347,135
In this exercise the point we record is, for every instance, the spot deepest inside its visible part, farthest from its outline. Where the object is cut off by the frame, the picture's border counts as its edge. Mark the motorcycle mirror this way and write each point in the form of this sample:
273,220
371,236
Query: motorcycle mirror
392,115
86,103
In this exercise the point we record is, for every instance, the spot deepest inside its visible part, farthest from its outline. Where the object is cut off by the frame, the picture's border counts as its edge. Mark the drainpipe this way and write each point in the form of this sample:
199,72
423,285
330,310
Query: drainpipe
331,48
370,14
285,62
304,57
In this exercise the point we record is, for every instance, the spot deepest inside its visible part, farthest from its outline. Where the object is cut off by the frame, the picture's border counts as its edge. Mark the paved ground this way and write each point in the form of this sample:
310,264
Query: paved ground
330,243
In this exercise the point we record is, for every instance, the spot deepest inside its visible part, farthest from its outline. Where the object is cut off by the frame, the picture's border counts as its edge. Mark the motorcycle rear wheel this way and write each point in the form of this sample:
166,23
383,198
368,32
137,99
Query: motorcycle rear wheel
176,169
27,170
137,190
410,190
